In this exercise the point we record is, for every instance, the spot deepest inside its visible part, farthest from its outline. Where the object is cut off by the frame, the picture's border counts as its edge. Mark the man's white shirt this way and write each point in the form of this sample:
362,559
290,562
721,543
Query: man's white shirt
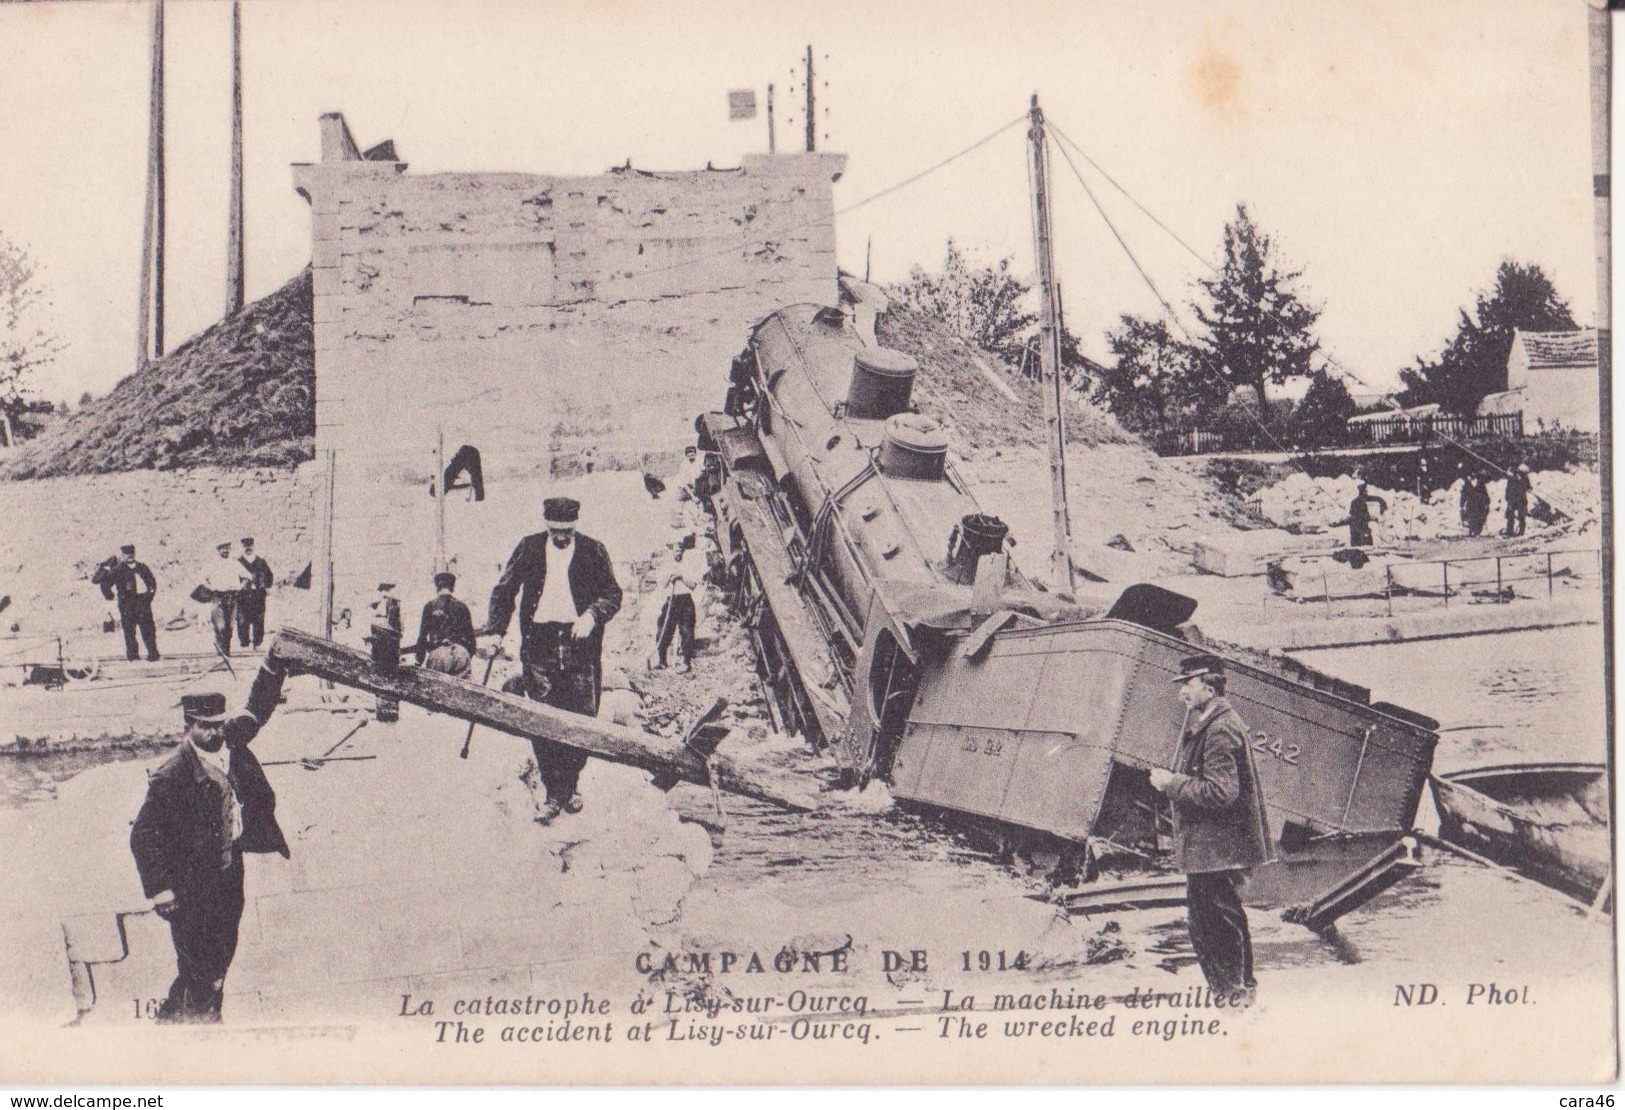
557,604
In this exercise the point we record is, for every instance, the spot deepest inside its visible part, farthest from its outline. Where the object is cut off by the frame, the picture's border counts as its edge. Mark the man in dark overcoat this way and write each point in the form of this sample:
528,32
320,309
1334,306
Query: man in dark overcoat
561,628
1517,500
206,806
1220,827
1360,516
251,601
132,582
446,630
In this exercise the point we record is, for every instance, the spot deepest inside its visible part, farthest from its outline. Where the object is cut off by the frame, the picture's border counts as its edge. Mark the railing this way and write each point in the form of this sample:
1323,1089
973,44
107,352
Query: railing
1486,579
1410,429
1391,431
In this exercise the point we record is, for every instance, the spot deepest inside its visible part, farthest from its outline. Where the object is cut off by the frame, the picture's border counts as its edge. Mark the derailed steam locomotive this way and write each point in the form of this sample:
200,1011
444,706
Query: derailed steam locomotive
892,630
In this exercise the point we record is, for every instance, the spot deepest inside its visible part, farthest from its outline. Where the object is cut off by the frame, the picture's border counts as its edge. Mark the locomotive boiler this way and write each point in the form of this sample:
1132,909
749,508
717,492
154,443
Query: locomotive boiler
892,630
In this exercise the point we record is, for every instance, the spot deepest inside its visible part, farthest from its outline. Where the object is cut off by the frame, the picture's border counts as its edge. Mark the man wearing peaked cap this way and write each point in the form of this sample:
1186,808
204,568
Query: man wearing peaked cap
132,582
1220,827
206,806
567,592
446,630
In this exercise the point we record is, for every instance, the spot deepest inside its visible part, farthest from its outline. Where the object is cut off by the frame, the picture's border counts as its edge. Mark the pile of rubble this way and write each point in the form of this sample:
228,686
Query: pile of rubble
1309,504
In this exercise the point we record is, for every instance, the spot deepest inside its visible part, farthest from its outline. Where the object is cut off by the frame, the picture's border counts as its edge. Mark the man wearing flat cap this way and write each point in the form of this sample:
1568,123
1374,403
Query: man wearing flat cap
446,631
224,579
133,584
1220,828
567,592
206,806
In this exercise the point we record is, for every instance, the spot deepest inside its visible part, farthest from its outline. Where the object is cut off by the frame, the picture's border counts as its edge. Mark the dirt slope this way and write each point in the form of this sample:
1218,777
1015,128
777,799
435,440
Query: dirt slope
239,393
954,386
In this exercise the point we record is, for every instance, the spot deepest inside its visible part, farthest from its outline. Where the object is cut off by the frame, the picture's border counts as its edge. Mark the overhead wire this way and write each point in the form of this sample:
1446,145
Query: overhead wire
1173,316
764,238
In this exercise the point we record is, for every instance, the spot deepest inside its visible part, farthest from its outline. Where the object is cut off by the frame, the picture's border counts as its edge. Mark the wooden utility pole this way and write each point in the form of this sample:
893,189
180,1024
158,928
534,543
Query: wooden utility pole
325,580
770,140
440,499
1049,348
812,106
152,219
234,221
160,204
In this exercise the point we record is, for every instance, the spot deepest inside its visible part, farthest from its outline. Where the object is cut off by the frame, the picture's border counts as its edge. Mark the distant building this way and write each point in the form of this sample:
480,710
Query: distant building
1552,379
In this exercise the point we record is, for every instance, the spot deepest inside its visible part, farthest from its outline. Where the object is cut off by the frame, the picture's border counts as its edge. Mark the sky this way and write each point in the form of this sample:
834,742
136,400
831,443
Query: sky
1396,152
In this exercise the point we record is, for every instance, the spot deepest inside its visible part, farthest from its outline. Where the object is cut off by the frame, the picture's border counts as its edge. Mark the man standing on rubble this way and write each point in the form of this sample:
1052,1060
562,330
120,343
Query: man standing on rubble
1220,828
567,592
1360,516
206,806
135,587
1517,499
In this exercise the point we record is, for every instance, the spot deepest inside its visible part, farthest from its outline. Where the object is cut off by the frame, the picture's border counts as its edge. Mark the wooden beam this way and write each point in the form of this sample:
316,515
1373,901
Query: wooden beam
300,652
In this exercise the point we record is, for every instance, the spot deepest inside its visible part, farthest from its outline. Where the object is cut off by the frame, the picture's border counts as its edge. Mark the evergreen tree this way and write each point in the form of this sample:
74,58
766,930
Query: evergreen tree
1259,330
1322,416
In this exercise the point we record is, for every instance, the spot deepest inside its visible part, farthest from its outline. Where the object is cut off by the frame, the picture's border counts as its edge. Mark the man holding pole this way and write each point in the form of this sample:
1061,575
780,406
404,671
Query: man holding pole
567,592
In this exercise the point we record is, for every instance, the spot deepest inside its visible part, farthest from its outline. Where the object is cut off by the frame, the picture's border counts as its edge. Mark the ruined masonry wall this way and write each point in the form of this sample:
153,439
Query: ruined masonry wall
560,324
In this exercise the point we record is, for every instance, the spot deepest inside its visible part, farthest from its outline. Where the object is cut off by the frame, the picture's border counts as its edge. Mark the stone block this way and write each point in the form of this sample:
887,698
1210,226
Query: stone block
1239,554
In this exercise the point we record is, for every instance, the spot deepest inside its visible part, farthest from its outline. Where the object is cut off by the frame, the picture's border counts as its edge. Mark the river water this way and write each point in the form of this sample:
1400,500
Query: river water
1515,695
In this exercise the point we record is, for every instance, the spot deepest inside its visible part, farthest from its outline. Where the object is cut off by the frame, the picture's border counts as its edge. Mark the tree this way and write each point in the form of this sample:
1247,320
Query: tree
1474,363
1322,415
25,345
1156,384
982,305
1258,329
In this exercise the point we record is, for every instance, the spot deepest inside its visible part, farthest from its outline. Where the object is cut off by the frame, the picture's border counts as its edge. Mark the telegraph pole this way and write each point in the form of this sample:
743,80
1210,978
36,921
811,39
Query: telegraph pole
1049,348
152,219
234,221
770,119
812,106
440,499
158,186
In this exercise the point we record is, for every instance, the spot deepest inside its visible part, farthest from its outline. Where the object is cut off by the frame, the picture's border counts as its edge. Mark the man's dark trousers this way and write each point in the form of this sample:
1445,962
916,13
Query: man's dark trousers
561,672
204,928
250,618
135,615
1218,927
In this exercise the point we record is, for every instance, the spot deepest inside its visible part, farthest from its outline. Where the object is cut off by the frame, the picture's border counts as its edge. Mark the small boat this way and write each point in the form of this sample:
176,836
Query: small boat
1546,820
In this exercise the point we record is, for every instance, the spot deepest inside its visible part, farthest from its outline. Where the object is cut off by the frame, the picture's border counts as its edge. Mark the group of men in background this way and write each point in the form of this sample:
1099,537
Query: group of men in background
235,587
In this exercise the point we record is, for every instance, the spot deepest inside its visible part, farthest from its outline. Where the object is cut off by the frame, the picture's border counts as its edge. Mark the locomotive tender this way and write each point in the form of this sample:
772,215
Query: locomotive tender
892,630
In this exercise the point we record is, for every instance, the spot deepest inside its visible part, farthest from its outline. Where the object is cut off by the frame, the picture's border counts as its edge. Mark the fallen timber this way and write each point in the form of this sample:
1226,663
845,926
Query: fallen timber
297,652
